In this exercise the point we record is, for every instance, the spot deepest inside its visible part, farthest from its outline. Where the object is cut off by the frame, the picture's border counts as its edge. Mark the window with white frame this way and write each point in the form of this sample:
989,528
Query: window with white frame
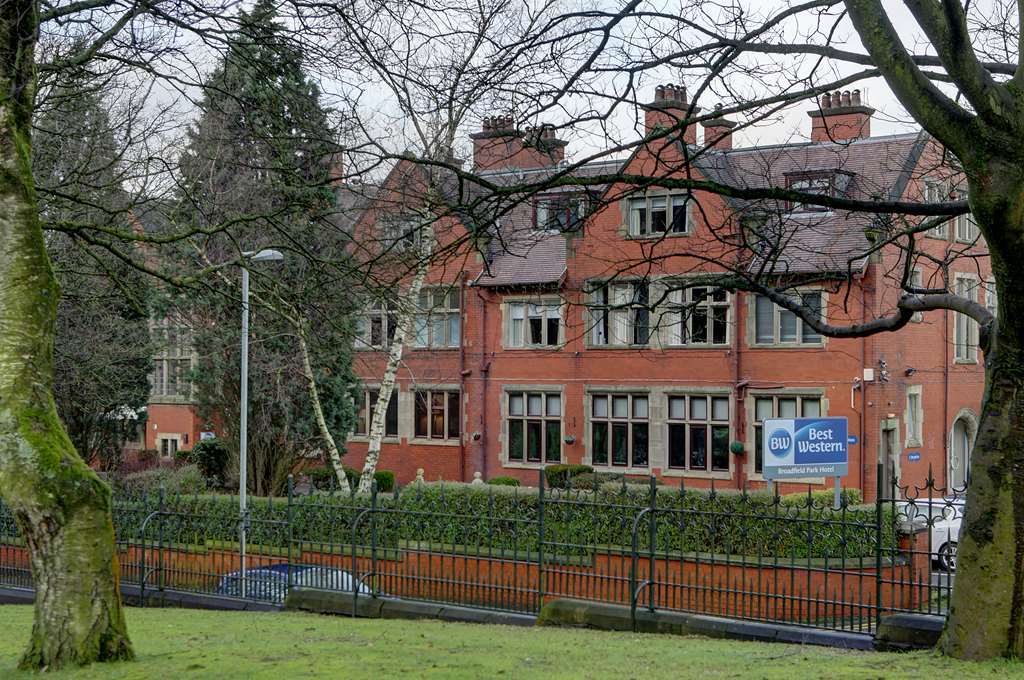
534,427
820,185
991,297
437,414
619,430
620,315
659,214
168,445
936,192
401,233
966,228
560,213
698,432
774,325
779,406
375,327
173,361
697,316
438,318
965,329
364,413
534,324
914,416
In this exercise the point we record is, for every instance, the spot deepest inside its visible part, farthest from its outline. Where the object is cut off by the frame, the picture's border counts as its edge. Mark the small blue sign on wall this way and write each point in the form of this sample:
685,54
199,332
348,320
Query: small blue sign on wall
852,439
805,447
913,456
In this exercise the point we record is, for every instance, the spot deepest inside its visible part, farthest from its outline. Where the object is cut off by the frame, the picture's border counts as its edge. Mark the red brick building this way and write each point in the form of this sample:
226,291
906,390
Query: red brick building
583,334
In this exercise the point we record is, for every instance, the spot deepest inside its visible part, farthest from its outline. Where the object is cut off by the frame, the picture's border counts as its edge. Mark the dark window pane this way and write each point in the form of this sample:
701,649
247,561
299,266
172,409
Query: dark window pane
719,447
811,301
698,447
620,443
599,443
699,324
758,450
362,417
535,331
553,445
453,415
552,331
515,440
421,414
677,446
376,330
639,444
533,441
437,415
719,325
391,421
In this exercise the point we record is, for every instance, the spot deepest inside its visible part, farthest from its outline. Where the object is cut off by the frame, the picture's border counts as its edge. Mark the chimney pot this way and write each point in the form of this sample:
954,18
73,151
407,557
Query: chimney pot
846,98
826,101
855,97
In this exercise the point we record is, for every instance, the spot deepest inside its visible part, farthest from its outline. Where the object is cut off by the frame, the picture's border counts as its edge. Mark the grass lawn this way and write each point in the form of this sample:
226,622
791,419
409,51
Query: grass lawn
175,643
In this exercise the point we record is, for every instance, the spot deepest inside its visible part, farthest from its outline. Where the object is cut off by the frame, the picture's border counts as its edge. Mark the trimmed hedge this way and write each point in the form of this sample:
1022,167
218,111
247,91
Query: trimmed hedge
503,481
575,522
560,476
323,479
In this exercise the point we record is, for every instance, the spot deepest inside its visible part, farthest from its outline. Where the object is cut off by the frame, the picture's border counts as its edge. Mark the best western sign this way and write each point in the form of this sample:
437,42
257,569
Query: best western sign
805,447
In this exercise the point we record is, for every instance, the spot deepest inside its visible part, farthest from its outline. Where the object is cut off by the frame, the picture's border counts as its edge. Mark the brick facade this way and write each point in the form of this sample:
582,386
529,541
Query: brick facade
866,380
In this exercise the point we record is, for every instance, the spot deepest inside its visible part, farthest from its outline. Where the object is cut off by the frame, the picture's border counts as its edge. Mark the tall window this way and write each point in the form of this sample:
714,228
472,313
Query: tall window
364,415
914,416
560,213
659,214
534,427
620,314
698,316
965,328
991,297
173,360
775,325
437,415
916,282
936,192
375,328
619,430
966,228
534,324
698,432
779,406
438,319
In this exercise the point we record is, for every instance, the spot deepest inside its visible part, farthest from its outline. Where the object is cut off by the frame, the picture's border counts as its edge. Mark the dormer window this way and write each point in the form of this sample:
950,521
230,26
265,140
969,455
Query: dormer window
657,214
820,183
401,233
560,213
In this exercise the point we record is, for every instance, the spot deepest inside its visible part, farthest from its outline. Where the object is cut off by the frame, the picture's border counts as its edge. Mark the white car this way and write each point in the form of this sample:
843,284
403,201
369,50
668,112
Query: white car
943,516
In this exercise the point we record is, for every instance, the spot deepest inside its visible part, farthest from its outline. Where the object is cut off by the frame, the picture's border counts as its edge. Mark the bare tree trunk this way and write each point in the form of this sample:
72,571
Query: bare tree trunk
314,396
986,616
406,317
60,505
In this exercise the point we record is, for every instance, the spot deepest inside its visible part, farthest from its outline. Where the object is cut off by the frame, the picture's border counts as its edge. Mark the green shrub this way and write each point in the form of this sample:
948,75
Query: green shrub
212,458
578,521
385,480
823,498
322,478
591,481
504,480
186,479
558,476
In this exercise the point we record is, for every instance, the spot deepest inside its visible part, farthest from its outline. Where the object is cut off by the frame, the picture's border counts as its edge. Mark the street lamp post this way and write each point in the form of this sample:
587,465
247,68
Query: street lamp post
243,425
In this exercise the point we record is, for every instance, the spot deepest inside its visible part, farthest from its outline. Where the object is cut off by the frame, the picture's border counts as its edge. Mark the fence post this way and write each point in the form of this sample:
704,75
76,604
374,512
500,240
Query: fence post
291,492
878,544
651,538
373,534
540,540
160,540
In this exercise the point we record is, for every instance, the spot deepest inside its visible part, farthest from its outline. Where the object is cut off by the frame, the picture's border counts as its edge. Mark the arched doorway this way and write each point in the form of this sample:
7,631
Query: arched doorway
961,441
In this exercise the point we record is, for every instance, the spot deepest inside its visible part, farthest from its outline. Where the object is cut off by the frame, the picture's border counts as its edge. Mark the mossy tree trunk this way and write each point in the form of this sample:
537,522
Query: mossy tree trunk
61,507
987,612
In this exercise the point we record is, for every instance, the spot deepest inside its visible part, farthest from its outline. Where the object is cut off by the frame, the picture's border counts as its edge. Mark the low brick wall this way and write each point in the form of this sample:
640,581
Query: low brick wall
812,591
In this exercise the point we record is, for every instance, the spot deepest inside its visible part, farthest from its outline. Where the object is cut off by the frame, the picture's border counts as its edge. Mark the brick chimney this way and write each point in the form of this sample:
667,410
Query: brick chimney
840,117
667,109
500,145
718,130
